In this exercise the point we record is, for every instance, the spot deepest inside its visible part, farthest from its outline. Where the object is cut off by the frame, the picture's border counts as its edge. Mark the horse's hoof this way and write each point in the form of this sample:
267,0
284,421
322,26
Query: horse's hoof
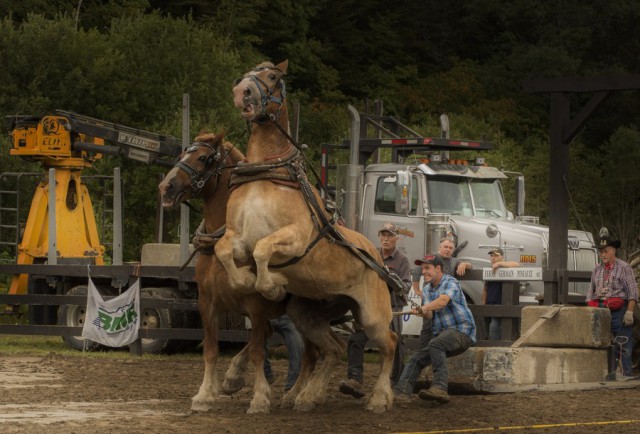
379,405
288,401
229,386
201,406
376,408
304,406
247,278
258,409
276,294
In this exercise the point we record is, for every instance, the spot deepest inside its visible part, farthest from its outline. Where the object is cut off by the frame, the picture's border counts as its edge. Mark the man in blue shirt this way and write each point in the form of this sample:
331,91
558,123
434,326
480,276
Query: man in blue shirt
453,329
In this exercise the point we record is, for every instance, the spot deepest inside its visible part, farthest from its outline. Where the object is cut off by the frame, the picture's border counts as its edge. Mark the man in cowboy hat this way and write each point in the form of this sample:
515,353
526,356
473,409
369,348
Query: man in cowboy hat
613,286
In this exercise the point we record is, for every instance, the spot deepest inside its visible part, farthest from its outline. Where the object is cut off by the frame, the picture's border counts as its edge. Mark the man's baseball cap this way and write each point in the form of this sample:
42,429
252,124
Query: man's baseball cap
432,259
496,251
389,227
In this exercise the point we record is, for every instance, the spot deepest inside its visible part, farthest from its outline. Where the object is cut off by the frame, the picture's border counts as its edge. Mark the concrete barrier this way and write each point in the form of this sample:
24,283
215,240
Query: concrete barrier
163,254
503,369
571,327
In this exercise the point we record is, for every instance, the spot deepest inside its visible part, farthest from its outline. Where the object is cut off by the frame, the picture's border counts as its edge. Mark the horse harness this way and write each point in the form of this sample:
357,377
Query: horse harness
267,94
289,169
200,178
202,241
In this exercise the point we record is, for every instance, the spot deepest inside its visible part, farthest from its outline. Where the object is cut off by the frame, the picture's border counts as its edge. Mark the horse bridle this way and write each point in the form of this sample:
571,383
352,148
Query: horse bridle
267,92
200,178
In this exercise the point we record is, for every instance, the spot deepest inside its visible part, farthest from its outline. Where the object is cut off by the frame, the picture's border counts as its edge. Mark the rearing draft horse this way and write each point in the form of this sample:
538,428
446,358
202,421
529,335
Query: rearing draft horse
273,217
203,171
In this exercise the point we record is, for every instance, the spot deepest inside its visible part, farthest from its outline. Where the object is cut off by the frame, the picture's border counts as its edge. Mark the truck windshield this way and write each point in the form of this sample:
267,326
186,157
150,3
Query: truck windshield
487,197
452,195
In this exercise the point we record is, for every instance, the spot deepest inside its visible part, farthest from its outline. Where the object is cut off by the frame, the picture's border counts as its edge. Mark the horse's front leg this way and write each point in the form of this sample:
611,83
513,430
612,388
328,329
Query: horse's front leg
209,390
228,248
287,242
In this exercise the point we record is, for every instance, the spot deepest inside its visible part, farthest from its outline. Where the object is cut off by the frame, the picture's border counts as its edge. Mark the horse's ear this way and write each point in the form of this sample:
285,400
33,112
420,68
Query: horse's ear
282,66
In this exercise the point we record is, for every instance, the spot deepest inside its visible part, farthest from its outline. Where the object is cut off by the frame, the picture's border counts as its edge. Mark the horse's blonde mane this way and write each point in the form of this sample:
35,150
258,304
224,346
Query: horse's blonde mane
234,153
266,64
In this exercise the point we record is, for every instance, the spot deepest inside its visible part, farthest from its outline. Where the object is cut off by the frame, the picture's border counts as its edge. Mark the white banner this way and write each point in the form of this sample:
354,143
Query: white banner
114,322
516,273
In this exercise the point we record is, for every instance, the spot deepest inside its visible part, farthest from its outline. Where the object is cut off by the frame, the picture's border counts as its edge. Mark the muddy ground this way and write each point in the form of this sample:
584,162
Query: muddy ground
82,394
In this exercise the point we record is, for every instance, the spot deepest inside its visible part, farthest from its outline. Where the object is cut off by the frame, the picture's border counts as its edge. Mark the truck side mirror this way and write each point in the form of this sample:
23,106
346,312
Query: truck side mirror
403,192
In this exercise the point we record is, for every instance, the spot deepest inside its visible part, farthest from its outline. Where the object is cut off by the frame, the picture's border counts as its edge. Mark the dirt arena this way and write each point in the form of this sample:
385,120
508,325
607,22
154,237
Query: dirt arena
82,394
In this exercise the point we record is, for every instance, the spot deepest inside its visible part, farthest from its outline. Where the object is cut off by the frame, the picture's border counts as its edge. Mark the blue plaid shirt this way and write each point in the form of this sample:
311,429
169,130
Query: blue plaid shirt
456,313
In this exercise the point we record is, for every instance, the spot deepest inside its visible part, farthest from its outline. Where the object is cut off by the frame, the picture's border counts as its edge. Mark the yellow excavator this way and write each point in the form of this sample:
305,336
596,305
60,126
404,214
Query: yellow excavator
69,142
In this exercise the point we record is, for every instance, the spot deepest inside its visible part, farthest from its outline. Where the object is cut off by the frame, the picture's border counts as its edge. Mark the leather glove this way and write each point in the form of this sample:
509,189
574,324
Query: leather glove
628,318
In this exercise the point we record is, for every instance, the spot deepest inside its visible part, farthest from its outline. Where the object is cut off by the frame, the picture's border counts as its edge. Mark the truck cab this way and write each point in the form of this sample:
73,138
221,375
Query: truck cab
430,195
461,201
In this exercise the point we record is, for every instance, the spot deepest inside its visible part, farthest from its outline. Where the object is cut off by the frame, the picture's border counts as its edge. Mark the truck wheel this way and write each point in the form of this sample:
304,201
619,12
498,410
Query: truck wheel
160,318
73,316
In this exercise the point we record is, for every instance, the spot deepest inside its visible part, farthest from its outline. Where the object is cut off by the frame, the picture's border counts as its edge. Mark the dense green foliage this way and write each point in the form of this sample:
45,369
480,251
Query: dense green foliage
130,61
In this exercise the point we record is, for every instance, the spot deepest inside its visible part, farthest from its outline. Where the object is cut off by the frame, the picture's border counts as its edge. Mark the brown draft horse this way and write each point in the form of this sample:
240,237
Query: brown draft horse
271,221
203,171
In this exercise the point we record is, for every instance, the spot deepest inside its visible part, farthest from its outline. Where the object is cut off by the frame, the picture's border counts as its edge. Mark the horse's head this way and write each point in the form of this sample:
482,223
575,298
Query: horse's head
198,169
261,92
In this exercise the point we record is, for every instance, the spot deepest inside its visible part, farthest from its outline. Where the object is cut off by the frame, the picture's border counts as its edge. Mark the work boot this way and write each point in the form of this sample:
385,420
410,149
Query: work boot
352,387
434,394
402,398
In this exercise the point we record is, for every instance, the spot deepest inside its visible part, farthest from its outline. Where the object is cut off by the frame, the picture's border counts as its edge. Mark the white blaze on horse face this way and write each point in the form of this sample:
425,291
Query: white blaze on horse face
246,96
168,192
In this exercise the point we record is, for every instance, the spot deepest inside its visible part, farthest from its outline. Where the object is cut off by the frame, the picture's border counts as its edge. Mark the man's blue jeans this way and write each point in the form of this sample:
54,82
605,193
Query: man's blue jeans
618,329
448,343
494,326
295,347
355,352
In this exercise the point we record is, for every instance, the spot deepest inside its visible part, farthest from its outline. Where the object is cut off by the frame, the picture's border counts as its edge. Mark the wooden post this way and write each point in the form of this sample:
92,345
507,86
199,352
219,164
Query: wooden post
510,297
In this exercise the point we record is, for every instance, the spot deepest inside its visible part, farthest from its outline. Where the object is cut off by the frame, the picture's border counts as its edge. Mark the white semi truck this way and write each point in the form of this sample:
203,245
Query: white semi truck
429,195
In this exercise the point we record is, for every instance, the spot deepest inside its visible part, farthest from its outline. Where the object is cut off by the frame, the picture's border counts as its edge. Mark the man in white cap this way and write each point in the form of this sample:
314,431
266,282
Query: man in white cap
613,286
398,263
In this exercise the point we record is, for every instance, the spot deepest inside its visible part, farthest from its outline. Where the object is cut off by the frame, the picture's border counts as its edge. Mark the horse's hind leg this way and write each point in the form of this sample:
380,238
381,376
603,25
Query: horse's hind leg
261,401
376,317
309,361
234,377
307,315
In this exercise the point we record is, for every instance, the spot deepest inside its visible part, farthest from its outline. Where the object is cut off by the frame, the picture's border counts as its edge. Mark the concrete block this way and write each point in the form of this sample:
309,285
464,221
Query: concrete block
163,254
573,327
504,368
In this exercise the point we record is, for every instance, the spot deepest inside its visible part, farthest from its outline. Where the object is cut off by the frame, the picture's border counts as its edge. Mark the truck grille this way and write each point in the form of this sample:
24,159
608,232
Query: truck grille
581,260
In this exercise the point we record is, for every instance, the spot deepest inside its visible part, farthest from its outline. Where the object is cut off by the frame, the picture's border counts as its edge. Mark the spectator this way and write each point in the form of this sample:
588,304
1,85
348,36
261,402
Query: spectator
613,286
295,347
453,331
396,262
492,293
452,267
